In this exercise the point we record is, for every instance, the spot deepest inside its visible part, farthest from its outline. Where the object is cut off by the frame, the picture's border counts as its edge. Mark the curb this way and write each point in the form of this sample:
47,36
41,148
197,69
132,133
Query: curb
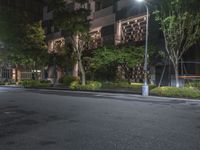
107,91
17,87
116,92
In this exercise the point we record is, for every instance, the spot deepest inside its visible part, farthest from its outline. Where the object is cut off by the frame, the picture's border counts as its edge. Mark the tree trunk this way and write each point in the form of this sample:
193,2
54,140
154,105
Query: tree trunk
78,48
176,67
16,73
75,70
83,82
43,73
163,72
128,73
54,70
36,72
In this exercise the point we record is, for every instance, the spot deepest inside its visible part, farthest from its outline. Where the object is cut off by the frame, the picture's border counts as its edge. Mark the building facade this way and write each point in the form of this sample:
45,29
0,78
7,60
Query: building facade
112,22
124,21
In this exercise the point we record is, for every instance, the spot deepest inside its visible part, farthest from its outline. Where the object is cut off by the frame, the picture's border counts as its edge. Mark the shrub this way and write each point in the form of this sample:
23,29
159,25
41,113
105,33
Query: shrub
34,83
195,84
1,83
176,92
90,85
93,85
67,80
115,85
139,86
45,81
74,85
125,85
61,80
30,83
9,83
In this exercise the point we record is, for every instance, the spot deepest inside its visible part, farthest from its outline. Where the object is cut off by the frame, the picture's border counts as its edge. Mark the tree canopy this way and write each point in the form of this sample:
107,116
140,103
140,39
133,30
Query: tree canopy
22,37
180,23
74,23
127,57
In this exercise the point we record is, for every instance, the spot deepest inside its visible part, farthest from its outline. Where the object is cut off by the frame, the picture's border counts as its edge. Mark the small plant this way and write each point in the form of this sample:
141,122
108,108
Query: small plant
93,85
74,85
116,85
61,80
176,92
195,84
35,83
1,83
45,81
137,87
90,85
30,83
67,80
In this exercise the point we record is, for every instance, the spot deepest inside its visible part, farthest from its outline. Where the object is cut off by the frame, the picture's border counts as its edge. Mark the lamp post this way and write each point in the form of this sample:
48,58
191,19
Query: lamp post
145,87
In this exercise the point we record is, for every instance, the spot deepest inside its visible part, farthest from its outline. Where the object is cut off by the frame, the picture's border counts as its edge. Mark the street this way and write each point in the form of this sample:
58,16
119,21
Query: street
64,120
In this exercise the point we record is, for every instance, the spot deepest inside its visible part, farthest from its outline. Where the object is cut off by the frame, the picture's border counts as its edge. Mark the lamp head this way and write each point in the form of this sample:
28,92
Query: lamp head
140,1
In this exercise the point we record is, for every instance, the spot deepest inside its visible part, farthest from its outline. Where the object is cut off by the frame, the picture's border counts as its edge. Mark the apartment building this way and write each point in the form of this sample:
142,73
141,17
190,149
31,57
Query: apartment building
124,21
112,22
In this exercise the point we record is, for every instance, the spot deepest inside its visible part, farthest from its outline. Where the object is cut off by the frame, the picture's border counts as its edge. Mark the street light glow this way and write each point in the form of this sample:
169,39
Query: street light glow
140,1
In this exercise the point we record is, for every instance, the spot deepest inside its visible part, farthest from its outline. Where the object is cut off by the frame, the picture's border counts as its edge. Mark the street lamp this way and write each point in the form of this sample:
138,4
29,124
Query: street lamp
145,87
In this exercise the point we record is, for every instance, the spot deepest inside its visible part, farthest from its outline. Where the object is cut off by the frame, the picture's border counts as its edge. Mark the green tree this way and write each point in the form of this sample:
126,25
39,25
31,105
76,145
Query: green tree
22,38
75,23
127,57
33,44
180,23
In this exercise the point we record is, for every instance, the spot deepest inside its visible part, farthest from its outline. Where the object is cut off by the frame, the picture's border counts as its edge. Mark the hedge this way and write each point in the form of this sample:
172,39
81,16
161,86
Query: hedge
2,83
195,84
125,85
90,85
35,83
67,80
176,92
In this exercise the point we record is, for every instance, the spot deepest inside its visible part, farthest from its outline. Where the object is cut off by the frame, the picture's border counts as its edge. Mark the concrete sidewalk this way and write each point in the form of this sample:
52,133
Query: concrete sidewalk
114,91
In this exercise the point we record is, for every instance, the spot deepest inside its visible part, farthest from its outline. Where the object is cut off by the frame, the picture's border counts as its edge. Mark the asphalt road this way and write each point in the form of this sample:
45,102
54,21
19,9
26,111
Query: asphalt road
56,120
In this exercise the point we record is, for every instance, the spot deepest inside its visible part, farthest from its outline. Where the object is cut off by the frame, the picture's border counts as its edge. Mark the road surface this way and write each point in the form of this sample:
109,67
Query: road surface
57,120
